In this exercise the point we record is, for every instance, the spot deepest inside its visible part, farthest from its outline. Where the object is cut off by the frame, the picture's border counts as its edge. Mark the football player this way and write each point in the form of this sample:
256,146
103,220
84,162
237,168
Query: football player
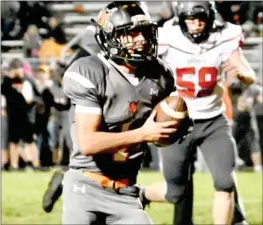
200,50
113,95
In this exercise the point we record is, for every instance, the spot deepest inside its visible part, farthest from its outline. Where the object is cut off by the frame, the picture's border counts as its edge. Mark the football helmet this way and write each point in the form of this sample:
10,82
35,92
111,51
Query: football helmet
204,11
120,19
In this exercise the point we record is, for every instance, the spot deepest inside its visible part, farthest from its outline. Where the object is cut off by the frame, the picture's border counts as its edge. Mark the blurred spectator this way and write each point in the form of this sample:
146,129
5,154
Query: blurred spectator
19,98
55,42
43,109
58,125
56,31
255,18
17,16
9,21
230,116
33,12
9,9
28,69
50,49
32,41
246,131
249,14
4,142
52,128
233,11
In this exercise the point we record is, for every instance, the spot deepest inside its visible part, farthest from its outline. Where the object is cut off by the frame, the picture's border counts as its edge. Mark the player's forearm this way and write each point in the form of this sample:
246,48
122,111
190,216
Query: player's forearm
245,73
103,142
238,66
247,79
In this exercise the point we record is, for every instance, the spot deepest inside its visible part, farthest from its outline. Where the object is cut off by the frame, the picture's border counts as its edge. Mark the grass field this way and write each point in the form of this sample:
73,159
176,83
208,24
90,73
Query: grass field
22,196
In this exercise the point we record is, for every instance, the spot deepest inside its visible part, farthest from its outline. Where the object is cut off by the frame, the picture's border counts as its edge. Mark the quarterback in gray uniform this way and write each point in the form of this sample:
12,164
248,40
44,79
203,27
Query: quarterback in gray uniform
113,96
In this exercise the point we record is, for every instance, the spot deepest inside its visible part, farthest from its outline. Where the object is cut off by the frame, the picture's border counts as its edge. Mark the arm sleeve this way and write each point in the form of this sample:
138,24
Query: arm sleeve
82,84
233,42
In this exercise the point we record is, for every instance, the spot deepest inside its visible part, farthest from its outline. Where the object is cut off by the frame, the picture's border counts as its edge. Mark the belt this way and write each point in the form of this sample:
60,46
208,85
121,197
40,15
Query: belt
106,182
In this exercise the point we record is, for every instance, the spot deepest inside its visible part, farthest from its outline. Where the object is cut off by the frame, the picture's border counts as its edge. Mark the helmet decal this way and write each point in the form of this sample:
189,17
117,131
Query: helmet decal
103,19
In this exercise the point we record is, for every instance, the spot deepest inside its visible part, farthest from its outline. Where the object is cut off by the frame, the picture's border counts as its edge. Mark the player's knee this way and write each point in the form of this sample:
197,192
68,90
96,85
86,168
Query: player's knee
224,183
175,194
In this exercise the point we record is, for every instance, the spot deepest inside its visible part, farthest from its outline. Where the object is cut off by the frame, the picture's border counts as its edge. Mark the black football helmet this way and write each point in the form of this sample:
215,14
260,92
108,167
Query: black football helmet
196,10
124,18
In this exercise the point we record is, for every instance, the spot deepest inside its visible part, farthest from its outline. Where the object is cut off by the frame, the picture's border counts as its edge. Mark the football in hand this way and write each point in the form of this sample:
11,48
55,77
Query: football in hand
172,107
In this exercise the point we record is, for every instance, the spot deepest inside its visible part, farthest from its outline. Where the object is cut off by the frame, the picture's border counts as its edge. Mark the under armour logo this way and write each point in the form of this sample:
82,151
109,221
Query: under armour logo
81,189
153,92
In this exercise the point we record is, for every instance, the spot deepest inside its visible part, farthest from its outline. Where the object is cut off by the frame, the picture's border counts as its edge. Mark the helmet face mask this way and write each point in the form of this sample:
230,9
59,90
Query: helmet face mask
135,50
118,29
202,11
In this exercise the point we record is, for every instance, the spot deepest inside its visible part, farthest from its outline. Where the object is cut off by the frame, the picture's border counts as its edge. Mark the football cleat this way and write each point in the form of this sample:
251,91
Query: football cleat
53,191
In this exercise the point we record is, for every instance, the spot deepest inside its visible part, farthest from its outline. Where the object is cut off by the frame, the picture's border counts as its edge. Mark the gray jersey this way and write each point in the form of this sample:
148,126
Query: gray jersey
96,85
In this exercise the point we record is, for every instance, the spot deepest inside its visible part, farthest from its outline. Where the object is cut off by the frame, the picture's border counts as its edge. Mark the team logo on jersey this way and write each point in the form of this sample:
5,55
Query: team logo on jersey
133,107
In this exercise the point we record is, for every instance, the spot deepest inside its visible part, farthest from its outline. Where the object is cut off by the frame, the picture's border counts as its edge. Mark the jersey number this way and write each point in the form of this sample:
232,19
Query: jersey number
122,155
207,85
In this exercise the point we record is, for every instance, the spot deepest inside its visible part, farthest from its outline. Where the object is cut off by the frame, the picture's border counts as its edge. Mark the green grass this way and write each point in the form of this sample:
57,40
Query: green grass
22,196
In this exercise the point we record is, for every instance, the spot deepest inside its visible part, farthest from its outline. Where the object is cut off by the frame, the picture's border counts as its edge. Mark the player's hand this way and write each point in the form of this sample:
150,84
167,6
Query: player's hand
153,131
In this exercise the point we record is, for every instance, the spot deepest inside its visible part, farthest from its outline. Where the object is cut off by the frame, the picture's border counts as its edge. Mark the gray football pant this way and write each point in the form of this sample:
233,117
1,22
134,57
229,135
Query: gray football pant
217,145
86,202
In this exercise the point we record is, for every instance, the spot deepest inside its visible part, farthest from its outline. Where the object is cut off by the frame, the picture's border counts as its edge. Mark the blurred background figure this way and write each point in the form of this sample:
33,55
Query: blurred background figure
4,142
32,41
246,130
19,96
9,21
249,14
55,30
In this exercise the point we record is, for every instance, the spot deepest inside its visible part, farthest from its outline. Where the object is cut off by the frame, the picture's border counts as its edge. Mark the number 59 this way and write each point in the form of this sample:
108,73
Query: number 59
189,90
